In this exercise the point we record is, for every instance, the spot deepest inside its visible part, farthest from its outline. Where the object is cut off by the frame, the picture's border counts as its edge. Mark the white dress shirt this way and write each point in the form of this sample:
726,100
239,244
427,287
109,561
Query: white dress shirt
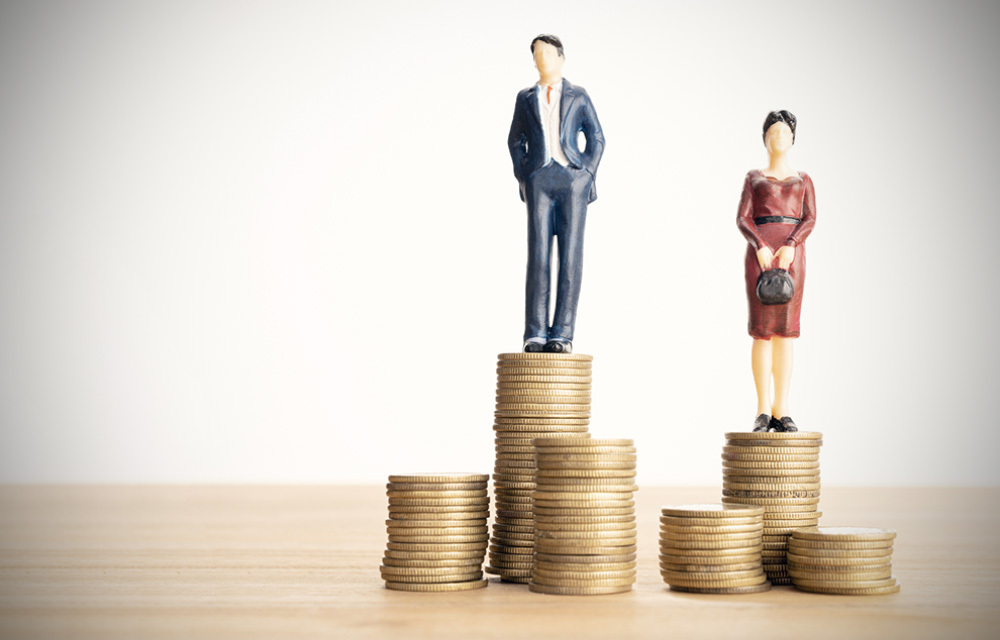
549,114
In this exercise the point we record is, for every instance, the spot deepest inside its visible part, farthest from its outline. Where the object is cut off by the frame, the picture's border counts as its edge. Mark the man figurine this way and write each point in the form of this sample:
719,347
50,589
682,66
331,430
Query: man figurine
557,183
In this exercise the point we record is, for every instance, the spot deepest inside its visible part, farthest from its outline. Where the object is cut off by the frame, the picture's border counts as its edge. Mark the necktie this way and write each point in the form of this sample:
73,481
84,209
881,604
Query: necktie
548,95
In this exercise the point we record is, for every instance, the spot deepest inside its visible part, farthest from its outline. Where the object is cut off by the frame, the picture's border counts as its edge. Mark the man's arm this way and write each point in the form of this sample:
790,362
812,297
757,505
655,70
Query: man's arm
593,134
517,141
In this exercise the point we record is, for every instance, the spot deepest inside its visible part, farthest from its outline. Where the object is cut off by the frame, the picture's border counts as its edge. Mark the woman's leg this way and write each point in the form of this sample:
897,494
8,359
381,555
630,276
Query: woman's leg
782,363
761,359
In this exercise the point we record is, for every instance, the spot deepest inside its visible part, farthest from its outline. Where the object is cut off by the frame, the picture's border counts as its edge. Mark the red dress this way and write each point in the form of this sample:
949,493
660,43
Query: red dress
775,213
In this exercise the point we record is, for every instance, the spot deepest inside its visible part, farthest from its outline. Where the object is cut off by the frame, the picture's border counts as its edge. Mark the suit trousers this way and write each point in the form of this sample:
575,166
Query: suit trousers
557,208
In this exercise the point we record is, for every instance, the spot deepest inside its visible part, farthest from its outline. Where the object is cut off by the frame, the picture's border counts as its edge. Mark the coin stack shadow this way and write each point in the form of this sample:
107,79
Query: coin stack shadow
855,561
538,395
712,548
437,532
780,472
585,533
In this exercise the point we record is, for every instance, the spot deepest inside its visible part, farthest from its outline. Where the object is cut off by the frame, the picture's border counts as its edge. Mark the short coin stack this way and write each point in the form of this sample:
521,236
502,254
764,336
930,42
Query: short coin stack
855,561
712,548
584,516
780,472
437,532
538,395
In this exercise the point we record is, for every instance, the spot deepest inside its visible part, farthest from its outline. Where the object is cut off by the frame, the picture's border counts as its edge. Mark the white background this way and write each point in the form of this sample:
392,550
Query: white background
282,242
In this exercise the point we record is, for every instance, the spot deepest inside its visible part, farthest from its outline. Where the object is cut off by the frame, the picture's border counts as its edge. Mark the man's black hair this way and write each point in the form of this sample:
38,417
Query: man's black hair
548,39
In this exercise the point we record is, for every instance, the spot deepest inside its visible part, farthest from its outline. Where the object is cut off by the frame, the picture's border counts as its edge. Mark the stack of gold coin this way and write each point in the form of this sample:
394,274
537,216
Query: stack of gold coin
437,532
780,472
584,516
851,561
538,395
712,548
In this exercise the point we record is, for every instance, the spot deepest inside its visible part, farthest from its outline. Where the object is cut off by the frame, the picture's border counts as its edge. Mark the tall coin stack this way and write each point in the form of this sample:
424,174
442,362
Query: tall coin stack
584,513
538,395
780,472
712,548
437,532
854,561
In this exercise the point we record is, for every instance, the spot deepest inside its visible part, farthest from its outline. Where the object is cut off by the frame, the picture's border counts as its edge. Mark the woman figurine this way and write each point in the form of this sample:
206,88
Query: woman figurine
777,212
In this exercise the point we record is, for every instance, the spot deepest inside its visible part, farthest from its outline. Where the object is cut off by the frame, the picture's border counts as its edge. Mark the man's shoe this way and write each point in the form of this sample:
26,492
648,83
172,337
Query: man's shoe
762,423
534,346
559,346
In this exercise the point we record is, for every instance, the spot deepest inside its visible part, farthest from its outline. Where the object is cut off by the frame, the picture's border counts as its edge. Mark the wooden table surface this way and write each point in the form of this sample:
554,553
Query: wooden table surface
291,562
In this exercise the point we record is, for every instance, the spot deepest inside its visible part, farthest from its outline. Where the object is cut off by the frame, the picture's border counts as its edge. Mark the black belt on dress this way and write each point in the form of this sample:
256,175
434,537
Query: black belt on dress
779,219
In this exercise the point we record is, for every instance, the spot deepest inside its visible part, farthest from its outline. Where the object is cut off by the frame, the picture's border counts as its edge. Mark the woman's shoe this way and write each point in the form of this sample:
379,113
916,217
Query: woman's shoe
787,425
775,425
762,423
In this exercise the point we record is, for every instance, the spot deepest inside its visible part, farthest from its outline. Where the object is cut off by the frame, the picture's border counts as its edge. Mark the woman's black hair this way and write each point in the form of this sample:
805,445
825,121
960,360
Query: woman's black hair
548,39
779,116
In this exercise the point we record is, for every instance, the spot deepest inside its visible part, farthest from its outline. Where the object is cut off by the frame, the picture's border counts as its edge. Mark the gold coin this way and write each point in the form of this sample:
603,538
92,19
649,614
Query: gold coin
515,456
438,513
725,590
591,505
523,539
507,528
857,584
585,468
545,386
520,448
838,553
439,486
773,453
542,392
841,561
755,573
545,356
445,531
840,576
423,572
710,522
595,551
541,411
709,563
673,549
880,591
769,464
711,510
747,544
527,520
584,519
584,458
542,421
518,577
503,465
449,495
776,485
846,534
573,582
589,442
439,539
587,485
770,494
585,559
841,545
507,373
545,534
615,565
578,591
435,524
770,514
439,502
756,472
714,529
712,584
426,478
577,511
545,379
775,446
577,450
606,526
430,579
578,495
563,574
502,560
457,562
773,527
582,475
774,435
671,533
441,586
774,505
431,546
567,542
509,550
710,568
436,555
561,403
537,430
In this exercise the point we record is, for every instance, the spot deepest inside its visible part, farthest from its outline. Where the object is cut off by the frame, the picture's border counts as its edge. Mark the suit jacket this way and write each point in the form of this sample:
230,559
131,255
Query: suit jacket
527,141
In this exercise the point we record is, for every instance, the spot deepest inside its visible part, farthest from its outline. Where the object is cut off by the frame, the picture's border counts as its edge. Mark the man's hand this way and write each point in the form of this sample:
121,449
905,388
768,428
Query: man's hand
764,258
785,256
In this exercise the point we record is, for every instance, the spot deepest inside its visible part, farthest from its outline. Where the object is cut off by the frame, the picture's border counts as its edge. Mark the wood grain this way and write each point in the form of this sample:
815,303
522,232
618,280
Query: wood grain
282,562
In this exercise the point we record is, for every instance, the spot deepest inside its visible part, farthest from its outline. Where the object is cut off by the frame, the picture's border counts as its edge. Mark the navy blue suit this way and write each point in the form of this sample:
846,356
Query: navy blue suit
557,199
